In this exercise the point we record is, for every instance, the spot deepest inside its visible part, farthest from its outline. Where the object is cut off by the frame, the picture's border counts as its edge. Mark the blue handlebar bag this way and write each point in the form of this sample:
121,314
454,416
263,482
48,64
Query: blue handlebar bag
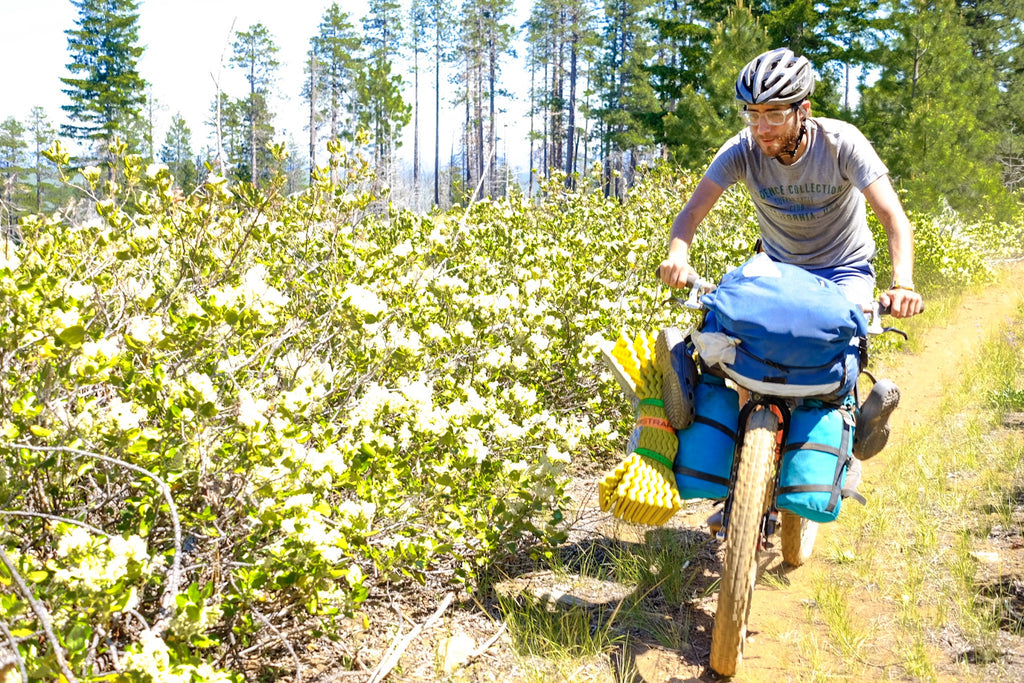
779,330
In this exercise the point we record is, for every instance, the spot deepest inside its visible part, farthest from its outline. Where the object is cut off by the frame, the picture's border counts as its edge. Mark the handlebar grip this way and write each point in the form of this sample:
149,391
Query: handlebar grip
692,279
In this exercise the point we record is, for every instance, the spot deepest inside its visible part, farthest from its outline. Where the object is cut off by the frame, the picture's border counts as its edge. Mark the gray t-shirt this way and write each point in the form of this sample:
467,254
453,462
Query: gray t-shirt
812,213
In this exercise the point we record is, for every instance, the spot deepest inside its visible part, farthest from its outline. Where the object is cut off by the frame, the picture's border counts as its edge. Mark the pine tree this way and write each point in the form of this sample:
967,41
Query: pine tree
927,112
106,91
995,29
12,165
336,50
418,30
562,41
381,109
624,87
41,136
484,38
256,54
679,65
440,16
177,154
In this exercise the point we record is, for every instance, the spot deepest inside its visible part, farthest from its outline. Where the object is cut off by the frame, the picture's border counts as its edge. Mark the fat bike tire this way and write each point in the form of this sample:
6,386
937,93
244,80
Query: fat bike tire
736,588
798,535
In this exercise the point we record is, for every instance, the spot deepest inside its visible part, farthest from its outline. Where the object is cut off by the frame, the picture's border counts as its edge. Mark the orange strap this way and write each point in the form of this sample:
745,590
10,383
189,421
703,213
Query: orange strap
657,423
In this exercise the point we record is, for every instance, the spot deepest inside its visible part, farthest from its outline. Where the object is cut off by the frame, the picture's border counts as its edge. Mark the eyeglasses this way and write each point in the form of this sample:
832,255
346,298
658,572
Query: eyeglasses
774,117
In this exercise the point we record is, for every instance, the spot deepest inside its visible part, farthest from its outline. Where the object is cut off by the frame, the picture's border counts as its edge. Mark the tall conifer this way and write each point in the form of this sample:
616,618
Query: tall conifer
105,89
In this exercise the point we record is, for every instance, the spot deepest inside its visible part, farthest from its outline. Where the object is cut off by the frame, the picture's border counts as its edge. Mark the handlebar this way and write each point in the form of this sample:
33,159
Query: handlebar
699,285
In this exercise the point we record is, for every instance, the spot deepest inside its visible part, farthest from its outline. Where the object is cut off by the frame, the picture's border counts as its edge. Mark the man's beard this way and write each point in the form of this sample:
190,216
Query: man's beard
790,142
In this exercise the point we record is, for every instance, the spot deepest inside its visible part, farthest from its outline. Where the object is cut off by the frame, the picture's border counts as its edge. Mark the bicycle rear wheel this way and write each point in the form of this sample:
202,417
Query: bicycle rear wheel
757,457
798,535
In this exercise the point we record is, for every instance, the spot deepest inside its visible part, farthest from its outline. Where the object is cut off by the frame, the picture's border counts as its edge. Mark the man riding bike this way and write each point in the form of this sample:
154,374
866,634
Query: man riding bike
808,178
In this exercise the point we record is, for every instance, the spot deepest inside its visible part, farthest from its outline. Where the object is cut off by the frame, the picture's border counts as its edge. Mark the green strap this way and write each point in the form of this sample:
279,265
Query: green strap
654,455
652,402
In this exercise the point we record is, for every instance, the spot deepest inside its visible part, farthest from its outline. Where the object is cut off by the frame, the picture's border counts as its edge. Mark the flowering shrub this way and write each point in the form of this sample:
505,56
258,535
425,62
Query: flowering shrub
229,418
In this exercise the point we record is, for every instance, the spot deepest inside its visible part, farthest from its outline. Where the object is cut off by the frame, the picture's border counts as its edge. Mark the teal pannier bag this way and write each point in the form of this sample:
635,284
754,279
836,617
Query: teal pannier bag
819,448
703,461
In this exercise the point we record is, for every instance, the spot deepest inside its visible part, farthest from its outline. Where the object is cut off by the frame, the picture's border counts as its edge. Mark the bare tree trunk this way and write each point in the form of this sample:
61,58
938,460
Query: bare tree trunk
533,106
478,110
586,131
416,127
467,173
492,77
570,148
437,122
312,115
918,54
545,166
39,176
252,122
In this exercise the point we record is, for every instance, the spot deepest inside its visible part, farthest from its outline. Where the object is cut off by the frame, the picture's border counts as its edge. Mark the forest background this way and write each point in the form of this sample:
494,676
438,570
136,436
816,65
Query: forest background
621,85
252,395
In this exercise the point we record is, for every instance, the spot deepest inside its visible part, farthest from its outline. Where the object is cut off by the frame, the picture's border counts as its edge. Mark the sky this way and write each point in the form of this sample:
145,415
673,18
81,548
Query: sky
186,43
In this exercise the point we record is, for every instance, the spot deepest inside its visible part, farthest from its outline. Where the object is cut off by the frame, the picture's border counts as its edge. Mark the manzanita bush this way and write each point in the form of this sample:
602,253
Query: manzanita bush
228,419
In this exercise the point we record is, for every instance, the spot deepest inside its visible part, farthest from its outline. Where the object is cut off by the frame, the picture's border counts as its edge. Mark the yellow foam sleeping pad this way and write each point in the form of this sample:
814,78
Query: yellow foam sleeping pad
642,488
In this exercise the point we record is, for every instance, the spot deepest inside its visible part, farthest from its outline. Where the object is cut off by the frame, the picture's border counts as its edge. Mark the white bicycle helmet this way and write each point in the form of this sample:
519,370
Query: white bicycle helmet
775,77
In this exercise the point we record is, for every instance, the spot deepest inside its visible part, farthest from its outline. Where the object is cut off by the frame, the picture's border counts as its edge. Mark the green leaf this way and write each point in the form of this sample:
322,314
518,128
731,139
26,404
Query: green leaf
73,336
77,639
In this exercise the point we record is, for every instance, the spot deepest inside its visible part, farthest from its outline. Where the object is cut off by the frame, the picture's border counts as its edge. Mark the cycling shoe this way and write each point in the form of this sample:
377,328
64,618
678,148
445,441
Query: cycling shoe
873,420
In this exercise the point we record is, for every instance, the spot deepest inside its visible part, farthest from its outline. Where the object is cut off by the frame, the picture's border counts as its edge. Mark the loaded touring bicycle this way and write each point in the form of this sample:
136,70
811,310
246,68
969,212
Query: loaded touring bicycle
794,346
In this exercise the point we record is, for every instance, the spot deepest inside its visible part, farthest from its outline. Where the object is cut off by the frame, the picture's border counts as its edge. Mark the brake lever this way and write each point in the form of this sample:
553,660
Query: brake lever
697,287
875,321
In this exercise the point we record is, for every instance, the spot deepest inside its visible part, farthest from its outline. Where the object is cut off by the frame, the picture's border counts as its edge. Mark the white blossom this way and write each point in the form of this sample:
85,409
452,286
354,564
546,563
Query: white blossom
145,329
203,385
251,411
77,290
137,289
435,331
125,414
74,539
363,299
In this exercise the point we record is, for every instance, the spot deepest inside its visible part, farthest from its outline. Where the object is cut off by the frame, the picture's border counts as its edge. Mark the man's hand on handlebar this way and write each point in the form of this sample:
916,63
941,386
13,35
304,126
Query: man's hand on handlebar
676,272
902,303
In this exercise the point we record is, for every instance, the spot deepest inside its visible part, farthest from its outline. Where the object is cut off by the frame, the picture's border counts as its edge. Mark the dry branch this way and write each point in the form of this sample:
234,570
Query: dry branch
398,648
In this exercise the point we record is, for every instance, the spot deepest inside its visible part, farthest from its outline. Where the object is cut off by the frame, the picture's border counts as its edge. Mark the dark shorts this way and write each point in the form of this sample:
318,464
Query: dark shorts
857,280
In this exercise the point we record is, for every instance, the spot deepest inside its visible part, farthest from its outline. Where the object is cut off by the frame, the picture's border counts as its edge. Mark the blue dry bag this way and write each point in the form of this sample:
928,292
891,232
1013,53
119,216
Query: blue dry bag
703,462
779,330
819,447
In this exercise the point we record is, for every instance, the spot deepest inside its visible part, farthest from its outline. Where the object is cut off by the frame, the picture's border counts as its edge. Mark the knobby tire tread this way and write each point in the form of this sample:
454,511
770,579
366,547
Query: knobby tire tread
739,573
798,535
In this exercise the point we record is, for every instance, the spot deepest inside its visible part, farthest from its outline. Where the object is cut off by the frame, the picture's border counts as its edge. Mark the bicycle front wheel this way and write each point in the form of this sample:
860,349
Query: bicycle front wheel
753,477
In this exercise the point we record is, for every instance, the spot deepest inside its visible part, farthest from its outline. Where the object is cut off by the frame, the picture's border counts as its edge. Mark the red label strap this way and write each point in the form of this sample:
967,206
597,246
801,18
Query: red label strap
656,422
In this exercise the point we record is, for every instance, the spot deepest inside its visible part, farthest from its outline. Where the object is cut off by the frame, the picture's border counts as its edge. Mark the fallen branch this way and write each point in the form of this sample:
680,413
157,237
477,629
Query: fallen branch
398,648
487,646
284,641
